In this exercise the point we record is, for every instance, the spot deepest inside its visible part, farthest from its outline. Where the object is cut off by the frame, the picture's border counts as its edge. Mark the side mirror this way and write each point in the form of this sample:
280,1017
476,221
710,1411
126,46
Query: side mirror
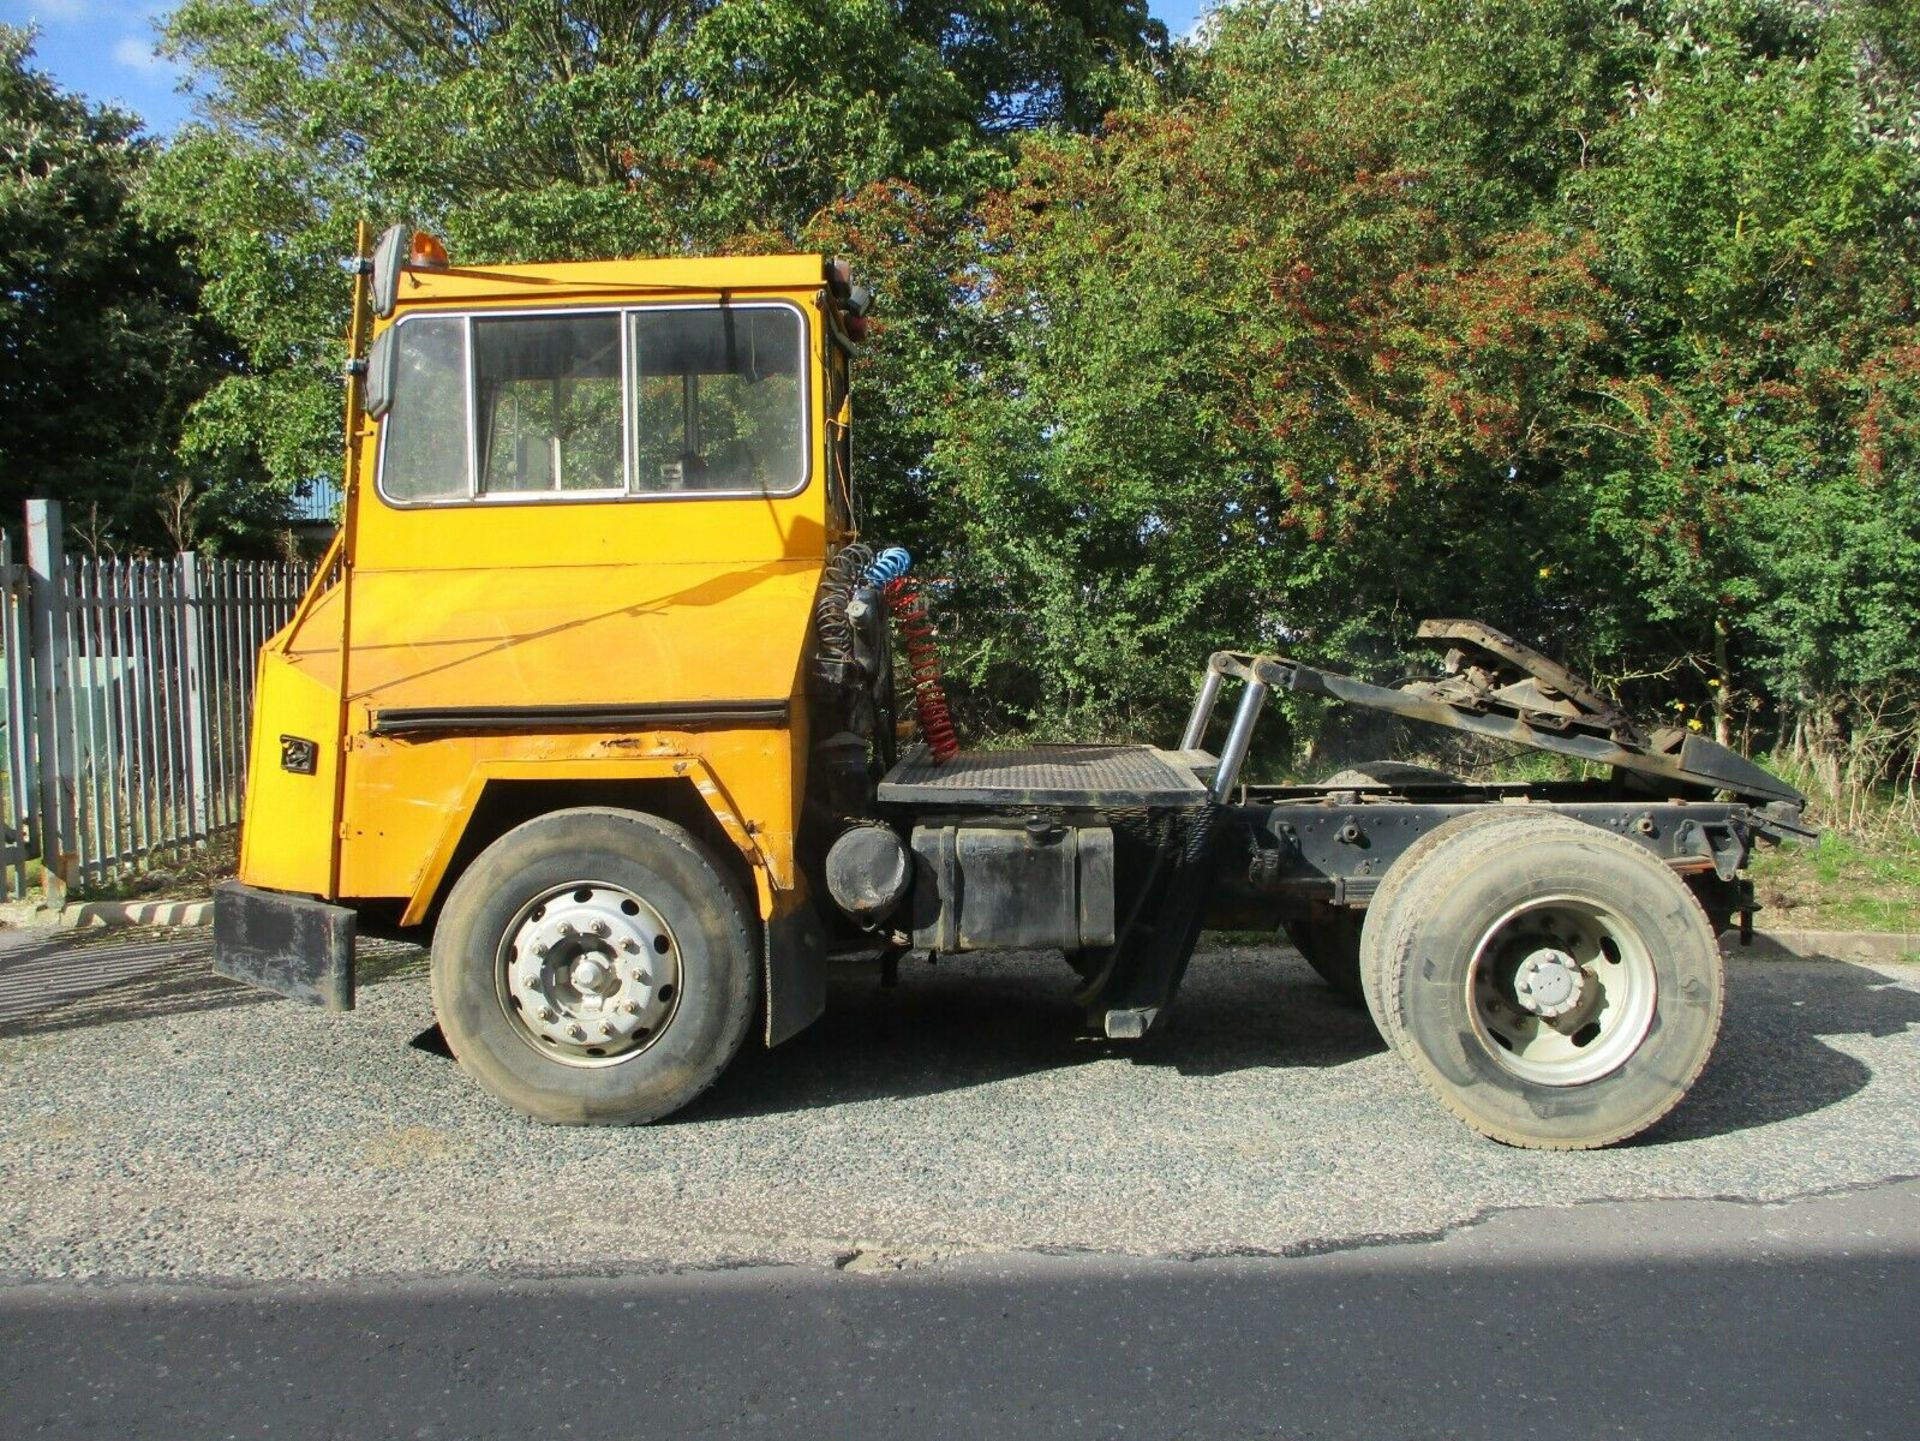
389,256
376,398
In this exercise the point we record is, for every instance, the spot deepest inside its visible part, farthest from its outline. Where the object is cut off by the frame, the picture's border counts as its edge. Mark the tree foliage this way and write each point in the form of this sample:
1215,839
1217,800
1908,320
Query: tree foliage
526,130
101,347
1593,319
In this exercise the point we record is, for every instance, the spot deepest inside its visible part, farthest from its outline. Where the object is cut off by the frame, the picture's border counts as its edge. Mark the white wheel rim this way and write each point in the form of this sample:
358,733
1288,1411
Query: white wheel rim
589,974
1561,990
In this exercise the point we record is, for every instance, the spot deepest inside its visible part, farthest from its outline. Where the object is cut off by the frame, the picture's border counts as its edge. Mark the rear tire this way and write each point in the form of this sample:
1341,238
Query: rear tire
1554,984
595,967
1373,961
1330,940
1389,773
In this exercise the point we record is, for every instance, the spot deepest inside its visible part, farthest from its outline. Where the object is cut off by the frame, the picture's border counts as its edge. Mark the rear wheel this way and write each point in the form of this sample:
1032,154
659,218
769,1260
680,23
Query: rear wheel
1330,940
1554,984
1389,773
1373,956
595,967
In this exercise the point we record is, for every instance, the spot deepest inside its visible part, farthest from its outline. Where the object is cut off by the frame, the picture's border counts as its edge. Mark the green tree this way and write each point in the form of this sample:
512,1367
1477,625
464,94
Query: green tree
1264,378
526,131
101,352
1759,242
1594,319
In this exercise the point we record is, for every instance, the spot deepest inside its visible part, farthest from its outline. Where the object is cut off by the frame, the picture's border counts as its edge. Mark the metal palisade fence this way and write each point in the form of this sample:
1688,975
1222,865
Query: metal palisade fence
129,699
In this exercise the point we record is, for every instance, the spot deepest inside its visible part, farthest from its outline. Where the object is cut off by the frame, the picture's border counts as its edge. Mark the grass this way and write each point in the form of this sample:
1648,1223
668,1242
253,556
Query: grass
187,874
1840,883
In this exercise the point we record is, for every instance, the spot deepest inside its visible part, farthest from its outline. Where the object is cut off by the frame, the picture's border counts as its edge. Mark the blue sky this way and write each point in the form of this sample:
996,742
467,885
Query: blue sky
105,49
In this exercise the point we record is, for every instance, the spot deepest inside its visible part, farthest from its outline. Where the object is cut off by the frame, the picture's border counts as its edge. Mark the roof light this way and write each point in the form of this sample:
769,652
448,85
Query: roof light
428,253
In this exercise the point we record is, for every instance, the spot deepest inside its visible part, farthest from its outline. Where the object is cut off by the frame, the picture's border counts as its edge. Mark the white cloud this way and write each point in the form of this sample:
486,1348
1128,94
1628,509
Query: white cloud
136,54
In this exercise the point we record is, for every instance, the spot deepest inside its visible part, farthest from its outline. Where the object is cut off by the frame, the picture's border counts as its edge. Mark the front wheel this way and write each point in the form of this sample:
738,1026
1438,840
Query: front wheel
1554,984
595,967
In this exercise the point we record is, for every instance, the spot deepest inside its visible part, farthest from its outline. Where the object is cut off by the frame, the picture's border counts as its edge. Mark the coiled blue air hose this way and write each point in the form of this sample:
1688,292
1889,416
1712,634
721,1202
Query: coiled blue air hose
889,565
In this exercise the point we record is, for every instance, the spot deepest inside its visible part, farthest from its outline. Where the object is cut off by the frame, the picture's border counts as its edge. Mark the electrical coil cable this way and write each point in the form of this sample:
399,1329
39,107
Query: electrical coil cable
923,668
844,571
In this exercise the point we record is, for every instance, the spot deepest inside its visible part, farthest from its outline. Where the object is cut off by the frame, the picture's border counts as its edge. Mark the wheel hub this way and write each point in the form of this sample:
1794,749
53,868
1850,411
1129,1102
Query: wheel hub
590,973
1549,982
1562,990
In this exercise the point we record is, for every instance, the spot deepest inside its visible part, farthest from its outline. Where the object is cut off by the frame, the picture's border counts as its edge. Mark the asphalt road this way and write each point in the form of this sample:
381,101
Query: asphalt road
939,1212
1648,1320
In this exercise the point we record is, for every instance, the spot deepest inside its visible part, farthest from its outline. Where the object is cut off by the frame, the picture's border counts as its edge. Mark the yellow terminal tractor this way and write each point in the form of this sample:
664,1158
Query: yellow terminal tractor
597,686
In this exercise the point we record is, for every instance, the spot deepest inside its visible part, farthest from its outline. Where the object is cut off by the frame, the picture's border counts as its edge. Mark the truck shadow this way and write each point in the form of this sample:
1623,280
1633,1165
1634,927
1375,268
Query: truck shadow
968,1023
76,980
1772,1062
972,1021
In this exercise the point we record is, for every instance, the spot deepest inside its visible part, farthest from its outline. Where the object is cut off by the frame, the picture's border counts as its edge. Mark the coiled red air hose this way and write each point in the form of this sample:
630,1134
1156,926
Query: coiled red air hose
923,666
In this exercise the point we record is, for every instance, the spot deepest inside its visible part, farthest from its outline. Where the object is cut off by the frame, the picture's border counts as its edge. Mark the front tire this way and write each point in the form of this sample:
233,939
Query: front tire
595,967
1554,984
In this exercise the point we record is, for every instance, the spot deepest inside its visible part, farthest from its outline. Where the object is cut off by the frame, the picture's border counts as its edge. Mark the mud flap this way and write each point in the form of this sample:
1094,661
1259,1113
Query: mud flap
796,974
1151,957
291,945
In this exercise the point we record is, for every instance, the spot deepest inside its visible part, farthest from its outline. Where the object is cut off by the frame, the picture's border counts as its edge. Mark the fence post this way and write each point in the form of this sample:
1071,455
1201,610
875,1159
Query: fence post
20,790
54,822
191,662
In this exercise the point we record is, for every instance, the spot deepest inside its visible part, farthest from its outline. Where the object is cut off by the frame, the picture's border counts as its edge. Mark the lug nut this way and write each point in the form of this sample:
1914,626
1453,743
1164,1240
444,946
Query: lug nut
641,978
600,928
567,930
546,1013
630,945
632,1008
577,1033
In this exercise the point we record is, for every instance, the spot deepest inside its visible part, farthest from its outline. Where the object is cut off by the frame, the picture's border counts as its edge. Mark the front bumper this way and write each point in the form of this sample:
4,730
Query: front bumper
289,944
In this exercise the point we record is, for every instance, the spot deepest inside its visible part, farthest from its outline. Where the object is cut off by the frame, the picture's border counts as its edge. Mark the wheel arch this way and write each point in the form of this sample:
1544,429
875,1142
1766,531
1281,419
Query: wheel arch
681,790
498,803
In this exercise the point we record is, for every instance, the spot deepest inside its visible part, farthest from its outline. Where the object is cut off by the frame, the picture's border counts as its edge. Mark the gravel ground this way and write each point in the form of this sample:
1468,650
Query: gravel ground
171,1125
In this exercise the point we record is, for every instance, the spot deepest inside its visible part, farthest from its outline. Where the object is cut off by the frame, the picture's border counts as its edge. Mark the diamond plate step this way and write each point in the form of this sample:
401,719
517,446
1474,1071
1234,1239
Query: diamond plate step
1094,777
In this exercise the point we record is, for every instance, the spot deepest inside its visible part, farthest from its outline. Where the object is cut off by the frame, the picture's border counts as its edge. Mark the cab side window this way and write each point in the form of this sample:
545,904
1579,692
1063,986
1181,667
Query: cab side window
426,431
698,398
547,388
717,400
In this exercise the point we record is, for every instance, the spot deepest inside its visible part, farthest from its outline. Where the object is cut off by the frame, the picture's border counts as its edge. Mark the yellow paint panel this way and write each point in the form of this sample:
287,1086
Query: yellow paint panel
619,282
578,635
409,801
287,834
